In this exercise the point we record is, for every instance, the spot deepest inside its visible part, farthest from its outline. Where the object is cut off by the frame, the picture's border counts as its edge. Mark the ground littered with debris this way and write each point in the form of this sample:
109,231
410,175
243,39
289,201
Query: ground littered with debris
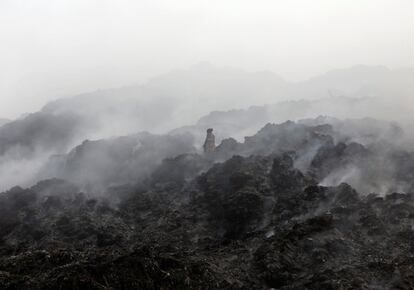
251,215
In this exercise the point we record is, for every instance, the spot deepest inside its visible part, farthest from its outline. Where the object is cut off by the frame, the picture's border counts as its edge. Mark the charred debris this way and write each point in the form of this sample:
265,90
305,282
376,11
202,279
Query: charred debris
299,205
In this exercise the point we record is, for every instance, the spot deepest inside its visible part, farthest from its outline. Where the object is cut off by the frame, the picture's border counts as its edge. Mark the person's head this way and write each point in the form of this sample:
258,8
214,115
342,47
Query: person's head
210,130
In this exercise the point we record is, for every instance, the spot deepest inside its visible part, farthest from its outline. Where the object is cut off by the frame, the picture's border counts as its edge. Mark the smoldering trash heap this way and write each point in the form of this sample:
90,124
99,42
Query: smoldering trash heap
257,214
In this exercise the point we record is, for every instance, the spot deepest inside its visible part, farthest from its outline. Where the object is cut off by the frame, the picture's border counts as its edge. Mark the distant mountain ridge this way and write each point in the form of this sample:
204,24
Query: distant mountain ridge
200,97
4,121
183,97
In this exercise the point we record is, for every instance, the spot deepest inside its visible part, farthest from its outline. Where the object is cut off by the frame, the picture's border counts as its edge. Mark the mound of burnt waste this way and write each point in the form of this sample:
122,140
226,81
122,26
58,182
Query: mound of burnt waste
282,210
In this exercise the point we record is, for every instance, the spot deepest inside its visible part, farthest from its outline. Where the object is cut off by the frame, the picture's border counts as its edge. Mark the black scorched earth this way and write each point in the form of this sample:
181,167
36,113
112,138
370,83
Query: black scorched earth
292,207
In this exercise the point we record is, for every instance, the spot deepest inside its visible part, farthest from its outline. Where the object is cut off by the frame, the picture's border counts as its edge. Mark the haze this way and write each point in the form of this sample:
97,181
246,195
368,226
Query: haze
51,49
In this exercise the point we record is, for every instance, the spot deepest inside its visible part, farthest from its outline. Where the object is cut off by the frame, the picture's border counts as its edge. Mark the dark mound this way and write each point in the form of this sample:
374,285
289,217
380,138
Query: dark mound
258,220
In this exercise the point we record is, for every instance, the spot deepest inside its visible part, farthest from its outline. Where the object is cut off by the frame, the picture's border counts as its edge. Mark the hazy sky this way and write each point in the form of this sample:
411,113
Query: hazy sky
54,48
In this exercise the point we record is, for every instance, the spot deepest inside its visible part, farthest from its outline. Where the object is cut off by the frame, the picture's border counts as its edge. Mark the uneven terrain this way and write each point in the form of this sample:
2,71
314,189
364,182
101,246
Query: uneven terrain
316,204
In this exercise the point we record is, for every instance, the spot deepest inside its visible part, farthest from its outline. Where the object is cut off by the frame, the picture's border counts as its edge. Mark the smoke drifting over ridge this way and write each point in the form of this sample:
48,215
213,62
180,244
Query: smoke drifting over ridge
307,182
162,106
63,48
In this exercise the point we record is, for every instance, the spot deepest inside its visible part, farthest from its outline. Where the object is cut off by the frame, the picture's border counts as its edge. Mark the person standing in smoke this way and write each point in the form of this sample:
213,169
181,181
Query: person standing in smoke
210,143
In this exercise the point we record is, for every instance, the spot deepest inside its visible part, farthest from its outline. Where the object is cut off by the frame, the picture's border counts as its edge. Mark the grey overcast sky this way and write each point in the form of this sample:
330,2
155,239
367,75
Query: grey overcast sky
55,48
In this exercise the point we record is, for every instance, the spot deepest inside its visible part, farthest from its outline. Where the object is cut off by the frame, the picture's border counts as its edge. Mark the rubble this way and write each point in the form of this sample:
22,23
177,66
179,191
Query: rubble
259,219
